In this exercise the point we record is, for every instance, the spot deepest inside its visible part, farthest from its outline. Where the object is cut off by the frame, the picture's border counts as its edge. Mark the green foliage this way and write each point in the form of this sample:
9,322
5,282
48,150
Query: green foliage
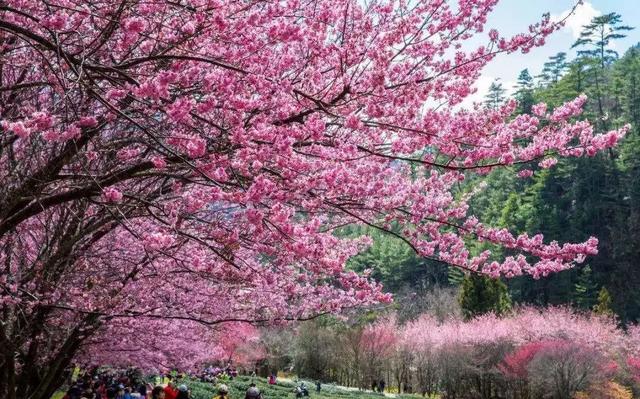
481,294
585,289
597,36
394,263
553,69
313,351
456,276
524,92
603,307
495,96
626,73
281,390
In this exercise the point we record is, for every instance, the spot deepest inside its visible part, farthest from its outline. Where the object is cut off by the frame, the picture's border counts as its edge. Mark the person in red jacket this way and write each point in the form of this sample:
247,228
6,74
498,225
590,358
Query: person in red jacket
170,391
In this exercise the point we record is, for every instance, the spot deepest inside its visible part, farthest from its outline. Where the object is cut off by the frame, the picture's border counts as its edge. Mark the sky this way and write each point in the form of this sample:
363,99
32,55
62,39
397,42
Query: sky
514,16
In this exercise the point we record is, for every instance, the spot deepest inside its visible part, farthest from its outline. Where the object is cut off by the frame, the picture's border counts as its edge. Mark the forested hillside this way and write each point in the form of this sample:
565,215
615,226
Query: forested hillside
579,197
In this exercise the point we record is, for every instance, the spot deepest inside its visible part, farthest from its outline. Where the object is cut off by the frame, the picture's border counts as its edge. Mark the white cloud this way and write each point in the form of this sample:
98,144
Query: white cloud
583,14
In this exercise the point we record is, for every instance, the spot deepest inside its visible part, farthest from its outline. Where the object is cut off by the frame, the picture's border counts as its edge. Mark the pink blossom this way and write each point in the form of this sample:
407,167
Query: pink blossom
72,133
548,162
189,28
220,175
196,147
634,366
539,109
179,110
56,21
353,122
18,128
157,241
88,121
42,120
244,138
126,154
254,216
134,25
525,173
111,194
159,162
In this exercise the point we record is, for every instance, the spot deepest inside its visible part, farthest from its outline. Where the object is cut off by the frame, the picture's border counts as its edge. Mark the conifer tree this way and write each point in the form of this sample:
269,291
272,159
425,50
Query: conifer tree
603,307
481,294
524,92
495,97
585,289
553,69
597,36
594,48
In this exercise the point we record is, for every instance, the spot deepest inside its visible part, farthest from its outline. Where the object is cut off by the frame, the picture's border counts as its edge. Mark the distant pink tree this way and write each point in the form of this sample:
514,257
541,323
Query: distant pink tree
524,325
240,343
378,344
515,364
380,337
561,368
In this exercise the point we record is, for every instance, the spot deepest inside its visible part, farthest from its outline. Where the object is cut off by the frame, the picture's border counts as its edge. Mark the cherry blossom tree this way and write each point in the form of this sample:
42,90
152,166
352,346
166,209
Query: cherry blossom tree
240,344
561,368
168,167
376,347
420,339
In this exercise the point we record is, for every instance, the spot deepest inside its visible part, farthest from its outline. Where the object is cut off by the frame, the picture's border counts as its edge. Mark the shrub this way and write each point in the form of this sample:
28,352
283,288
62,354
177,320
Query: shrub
608,390
561,368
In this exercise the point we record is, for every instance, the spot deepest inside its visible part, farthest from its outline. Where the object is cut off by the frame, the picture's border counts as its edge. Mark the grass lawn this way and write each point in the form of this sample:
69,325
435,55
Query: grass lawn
281,390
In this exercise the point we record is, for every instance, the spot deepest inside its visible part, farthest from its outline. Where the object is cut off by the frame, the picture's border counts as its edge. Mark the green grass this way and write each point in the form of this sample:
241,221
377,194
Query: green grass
281,390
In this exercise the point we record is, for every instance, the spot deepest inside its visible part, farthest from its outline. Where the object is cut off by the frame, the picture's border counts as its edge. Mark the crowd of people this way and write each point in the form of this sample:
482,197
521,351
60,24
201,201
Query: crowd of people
171,391
98,383
218,374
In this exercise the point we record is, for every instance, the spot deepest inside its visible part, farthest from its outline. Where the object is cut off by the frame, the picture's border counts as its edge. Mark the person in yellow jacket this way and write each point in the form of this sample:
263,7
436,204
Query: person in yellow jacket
223,392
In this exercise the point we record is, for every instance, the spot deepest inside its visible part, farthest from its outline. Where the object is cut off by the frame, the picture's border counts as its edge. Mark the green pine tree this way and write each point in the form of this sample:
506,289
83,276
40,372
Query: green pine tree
481,294
594,49
585,289
603,307
524,92
596,37
495,97
553,69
